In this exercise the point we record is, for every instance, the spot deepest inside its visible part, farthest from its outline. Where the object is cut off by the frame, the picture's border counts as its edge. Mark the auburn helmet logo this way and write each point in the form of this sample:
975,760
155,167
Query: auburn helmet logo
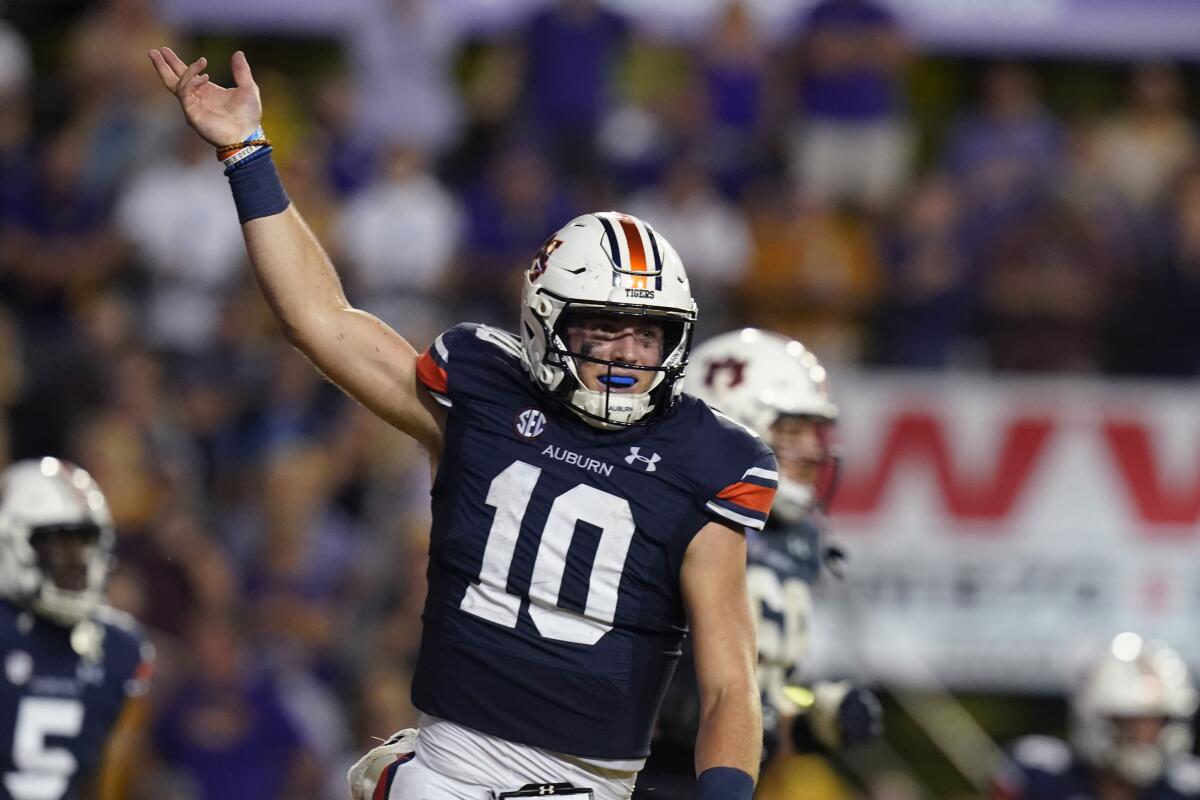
734,366
541,260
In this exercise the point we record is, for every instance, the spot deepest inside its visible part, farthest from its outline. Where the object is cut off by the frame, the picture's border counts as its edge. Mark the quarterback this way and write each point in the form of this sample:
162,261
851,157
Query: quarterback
586,513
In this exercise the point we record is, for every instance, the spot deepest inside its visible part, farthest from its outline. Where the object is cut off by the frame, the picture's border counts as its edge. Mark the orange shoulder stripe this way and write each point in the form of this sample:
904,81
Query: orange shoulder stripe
749,495
430,373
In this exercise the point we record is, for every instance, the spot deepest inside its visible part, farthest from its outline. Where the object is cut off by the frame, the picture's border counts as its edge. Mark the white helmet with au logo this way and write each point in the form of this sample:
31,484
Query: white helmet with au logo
44,498
758,378
606,263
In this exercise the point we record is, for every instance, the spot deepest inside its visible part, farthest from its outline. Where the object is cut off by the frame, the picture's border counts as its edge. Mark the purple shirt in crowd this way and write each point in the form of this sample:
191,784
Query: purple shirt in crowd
734,95
244,760
855,93
569,61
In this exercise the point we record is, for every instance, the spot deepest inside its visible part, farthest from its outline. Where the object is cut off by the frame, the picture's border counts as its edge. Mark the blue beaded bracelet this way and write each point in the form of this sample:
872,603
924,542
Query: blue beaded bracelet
257,190
724,783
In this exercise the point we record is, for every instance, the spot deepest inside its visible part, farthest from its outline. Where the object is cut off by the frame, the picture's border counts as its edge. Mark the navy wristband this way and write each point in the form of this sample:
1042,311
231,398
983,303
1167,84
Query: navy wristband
724,783
257,190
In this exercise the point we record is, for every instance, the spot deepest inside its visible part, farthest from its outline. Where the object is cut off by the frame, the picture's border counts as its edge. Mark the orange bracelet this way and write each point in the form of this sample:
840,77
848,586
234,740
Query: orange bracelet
226,150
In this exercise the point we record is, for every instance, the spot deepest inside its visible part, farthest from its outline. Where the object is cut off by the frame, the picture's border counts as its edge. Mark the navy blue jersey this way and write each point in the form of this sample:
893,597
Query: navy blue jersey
554,616
1042,768
57,708
782,561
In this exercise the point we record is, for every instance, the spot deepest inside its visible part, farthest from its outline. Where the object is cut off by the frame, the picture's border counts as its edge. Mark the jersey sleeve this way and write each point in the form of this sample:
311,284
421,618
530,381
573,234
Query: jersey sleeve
462,363
138,683
433,368
745,491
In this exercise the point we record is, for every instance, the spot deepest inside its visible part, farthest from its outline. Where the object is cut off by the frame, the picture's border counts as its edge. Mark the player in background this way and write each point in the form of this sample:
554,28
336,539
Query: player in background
72,668
775,387
585,511
1130,734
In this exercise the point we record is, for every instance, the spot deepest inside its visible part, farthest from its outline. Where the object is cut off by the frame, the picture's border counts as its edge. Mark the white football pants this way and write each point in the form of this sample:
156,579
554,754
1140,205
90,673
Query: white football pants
452,762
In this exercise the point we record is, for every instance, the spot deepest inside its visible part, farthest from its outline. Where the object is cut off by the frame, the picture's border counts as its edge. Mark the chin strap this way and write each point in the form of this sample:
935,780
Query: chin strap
1140,764
64,607
597,408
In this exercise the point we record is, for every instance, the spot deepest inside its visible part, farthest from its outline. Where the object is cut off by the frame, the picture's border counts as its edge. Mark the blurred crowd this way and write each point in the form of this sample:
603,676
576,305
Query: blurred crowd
272,532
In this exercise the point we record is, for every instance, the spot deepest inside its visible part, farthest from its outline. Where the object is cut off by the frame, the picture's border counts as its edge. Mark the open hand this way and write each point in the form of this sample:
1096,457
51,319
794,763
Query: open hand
221,116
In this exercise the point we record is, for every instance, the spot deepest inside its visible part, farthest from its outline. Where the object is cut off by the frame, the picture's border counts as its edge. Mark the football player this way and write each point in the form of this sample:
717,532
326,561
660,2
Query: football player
1130,734
585,511
71,666
775,387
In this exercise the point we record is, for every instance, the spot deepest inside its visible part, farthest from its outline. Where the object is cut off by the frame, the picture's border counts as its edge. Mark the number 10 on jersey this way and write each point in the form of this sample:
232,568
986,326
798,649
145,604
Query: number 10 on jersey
509,494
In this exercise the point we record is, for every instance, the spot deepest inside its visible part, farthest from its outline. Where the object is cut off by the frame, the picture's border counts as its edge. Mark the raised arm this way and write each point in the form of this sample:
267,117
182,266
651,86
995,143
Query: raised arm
713,578
366,358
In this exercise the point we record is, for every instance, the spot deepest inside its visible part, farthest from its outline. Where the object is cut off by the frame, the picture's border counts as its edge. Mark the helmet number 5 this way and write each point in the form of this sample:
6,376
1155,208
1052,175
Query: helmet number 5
509,494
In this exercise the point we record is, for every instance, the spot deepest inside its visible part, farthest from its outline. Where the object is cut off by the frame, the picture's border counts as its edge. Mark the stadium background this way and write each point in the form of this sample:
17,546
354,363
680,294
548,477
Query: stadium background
988,228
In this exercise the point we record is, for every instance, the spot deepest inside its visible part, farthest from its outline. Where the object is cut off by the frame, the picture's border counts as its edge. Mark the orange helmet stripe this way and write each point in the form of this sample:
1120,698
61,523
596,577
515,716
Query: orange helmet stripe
637,250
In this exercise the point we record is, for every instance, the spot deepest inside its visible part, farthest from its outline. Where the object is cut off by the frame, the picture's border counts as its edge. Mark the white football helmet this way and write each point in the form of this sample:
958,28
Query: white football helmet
44,495
757,377
1134,679
610,263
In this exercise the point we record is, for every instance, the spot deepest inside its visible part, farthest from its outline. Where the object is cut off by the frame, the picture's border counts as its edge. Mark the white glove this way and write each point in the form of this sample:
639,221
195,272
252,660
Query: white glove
364,775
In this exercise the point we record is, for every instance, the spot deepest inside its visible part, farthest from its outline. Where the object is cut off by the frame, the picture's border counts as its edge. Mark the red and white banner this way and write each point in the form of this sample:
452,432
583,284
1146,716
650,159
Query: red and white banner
999,531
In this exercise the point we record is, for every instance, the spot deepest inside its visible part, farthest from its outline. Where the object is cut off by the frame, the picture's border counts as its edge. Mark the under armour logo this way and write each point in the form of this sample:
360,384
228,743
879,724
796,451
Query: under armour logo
650,460
543,789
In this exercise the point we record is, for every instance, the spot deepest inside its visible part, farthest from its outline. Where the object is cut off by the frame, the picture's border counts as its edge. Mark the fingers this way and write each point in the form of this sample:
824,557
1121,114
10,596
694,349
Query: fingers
165,73
194,84
174,61
173,72
189,80
241,70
